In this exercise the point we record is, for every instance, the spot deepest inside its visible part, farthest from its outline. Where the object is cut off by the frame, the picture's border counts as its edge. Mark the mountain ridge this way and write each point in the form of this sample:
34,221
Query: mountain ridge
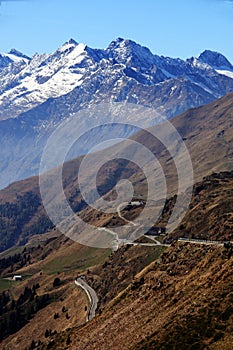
206,131
37,96
152,67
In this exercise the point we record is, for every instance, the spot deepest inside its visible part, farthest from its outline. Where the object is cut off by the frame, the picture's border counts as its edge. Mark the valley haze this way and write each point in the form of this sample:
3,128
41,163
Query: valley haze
47,89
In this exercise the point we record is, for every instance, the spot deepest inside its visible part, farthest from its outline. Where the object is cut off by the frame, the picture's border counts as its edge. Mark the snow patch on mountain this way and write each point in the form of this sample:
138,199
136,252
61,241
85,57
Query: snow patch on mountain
44,76
227,73
15,56
28,82
38,93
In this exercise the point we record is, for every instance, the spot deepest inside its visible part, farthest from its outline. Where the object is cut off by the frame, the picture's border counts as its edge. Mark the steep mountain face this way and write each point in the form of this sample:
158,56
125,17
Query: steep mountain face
44,76
216,60
52,75
14,56
37,93
208,134
210,212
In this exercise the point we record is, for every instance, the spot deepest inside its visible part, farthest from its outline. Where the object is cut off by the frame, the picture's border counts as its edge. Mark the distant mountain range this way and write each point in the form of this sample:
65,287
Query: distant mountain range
37,93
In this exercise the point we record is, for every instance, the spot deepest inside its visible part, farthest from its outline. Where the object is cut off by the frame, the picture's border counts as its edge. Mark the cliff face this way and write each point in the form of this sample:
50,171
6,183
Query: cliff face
210,213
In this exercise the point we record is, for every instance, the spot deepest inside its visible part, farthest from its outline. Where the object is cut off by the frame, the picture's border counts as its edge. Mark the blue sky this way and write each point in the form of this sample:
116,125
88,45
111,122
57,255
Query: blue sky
177,28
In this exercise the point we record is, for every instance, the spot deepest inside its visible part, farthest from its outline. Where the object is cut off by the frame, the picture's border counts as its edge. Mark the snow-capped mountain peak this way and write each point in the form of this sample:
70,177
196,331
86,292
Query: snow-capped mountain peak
218,62
68,46
72,41
37,94
44,76
15,56
19,54
29,82
215,59
127,51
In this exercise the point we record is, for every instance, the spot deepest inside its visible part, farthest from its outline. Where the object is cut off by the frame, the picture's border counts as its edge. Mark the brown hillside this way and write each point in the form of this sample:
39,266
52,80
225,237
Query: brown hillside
207,132
208,135
210,215
168,284
183,301
107,273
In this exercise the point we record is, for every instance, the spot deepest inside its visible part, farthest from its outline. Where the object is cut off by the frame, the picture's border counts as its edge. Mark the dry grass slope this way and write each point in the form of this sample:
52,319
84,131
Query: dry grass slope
183,301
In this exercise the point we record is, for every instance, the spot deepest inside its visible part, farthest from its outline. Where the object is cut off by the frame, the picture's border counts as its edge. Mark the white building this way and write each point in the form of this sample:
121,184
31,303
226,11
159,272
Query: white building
17,278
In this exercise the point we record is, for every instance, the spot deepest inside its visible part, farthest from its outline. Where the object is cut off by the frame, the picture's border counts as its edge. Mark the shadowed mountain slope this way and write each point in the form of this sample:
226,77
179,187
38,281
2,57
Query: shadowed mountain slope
206,131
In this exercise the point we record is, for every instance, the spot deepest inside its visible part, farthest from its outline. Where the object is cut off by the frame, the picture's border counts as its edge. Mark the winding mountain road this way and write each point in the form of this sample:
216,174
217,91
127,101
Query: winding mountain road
92,296
202,241
123,205
118,241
